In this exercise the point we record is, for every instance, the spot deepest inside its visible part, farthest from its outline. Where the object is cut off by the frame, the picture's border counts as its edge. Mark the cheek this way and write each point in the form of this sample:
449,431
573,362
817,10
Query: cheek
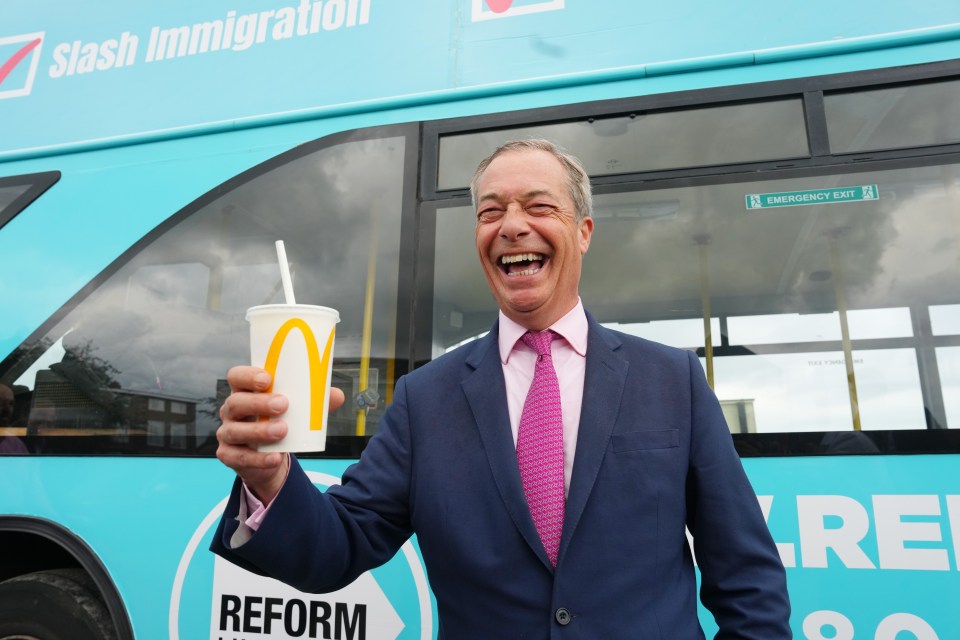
482,239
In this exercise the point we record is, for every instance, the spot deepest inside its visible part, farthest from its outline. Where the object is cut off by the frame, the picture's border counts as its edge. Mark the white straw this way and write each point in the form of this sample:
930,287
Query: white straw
285,273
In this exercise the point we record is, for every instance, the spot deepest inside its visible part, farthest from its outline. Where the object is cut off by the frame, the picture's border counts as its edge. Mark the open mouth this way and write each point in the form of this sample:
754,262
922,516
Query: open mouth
522,264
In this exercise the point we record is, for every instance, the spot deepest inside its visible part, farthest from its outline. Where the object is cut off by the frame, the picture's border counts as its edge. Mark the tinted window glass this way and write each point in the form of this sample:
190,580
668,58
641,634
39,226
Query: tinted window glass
894,118
648,141
142,361
11,193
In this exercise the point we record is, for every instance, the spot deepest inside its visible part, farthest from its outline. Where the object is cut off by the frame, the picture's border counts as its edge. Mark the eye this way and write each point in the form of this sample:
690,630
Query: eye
540,208
489,214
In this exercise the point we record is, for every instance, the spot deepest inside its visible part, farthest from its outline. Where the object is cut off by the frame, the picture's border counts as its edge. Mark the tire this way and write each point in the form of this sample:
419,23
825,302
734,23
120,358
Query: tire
60,604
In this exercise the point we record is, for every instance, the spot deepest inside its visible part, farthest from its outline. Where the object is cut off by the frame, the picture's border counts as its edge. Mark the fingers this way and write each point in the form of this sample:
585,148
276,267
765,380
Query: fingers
263,473
251,434
245,378
255,380
243,406
249,419
337,398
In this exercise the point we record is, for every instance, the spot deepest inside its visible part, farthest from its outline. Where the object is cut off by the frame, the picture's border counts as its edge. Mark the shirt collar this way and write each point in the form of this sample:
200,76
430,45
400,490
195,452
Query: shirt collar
572,327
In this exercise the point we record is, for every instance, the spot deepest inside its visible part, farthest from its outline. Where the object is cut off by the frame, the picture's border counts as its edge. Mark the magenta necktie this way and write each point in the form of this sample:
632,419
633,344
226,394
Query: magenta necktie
540,446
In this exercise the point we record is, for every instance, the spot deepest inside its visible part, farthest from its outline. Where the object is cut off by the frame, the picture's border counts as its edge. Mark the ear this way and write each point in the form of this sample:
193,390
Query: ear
586,231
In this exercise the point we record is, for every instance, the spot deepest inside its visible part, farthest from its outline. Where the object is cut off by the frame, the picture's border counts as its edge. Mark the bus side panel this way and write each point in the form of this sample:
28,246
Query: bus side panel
871,543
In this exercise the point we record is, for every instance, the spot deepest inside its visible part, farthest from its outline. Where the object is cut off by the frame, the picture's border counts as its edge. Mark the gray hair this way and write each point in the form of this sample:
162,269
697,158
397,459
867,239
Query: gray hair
578,182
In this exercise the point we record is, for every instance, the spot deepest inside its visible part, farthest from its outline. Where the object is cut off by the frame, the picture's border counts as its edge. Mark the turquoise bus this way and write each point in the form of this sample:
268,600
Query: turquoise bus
777,188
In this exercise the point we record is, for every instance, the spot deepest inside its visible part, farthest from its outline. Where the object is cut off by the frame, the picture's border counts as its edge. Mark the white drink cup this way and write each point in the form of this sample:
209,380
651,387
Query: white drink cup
294,343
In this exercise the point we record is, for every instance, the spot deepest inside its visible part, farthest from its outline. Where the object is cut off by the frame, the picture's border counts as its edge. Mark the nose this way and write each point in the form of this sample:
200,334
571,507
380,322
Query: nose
514,223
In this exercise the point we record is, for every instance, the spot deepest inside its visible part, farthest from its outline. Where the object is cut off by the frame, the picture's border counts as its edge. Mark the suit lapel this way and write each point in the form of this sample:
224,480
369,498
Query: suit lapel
484,388
603,386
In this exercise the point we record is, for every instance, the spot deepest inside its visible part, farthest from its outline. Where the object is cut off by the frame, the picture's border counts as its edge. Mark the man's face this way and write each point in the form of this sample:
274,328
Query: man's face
528,240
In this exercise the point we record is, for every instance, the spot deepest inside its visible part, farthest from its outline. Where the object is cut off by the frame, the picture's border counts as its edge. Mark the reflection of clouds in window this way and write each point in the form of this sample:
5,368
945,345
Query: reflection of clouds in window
180,284
755,261
166,346
243,285
919,263
338,207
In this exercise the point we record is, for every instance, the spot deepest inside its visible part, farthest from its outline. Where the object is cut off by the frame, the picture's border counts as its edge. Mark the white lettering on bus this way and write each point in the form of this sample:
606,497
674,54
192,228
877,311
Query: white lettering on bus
238,33
816,537
233,33
78,57
893,532
840,627
834,528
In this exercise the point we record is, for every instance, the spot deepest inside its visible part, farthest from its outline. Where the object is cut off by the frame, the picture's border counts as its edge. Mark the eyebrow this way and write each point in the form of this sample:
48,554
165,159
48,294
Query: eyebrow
525,196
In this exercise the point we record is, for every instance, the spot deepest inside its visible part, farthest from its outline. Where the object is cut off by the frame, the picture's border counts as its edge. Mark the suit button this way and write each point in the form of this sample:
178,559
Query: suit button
563,616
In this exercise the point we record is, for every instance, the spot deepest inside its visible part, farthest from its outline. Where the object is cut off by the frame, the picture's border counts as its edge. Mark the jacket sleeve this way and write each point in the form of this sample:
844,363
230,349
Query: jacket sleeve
743,582
321,541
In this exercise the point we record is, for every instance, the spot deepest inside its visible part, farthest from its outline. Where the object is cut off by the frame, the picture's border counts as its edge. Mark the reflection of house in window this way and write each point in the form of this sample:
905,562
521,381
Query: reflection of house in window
61,403
77,404
169,419
178,436
155,432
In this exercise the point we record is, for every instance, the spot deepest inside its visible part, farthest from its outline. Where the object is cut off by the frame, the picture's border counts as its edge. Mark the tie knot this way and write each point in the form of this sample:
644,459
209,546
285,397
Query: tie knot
539,341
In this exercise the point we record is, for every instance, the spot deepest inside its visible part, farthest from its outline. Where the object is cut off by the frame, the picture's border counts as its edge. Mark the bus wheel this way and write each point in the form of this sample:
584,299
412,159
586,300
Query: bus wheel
60,604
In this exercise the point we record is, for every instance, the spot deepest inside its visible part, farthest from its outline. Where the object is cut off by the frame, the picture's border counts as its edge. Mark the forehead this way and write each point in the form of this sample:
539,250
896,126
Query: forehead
521,172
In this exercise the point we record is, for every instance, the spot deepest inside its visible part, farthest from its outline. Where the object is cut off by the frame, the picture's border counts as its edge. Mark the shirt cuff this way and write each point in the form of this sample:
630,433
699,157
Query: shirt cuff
252,509
255,508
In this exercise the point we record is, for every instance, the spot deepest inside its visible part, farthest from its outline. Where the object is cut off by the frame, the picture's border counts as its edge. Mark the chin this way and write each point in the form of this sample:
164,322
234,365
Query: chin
524,308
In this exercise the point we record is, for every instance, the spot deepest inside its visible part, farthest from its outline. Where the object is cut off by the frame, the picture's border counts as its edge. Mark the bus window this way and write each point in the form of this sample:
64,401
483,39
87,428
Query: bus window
700,137
778,285
893,117
139,364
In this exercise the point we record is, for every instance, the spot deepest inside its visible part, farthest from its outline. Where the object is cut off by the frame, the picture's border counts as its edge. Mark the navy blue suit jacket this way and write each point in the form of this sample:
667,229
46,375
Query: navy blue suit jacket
654,456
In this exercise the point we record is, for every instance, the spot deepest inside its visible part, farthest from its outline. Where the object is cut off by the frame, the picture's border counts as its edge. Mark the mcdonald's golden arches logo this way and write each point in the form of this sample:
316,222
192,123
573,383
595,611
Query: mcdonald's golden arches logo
318,365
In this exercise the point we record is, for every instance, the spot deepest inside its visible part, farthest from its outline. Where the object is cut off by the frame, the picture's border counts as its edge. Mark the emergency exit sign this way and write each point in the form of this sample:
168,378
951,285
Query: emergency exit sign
859,193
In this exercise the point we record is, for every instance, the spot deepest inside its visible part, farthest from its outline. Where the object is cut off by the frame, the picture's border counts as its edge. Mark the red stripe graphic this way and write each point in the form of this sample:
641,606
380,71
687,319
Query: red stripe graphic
17,58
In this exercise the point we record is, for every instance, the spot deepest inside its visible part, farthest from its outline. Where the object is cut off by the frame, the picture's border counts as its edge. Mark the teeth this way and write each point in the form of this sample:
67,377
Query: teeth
525,272
520,257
